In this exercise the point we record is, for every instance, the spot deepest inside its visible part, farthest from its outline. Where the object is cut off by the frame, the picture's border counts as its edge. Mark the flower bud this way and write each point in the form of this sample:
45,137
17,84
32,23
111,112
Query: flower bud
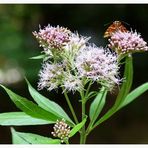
61,130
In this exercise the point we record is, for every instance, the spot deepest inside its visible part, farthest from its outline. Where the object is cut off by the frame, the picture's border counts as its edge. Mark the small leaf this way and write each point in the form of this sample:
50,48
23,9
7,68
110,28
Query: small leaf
38,57
20,119
29,138
97,105
77,127
134,94
91,94
48,105
29,107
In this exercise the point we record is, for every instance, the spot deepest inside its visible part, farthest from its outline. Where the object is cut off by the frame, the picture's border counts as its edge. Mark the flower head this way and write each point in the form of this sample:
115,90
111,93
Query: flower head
72,83
52,37
50,76
127,42
61,130
76,42
98,64
55,39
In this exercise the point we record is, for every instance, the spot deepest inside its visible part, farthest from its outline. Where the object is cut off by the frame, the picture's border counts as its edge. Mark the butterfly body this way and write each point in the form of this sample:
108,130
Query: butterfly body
115,26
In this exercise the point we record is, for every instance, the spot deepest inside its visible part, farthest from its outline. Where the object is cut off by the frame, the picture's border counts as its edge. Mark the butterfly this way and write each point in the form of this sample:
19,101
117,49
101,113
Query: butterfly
115,26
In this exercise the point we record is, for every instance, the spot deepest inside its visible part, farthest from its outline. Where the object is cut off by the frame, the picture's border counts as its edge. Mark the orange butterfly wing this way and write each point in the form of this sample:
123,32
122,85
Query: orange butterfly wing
115,26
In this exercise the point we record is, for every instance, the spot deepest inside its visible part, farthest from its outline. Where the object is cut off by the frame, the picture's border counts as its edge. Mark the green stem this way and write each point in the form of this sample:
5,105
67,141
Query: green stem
82,135
71,108
66,141
83,139
87,91
83,128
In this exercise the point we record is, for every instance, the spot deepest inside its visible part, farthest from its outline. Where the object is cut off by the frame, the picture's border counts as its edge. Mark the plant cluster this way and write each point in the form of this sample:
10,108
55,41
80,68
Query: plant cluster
72,63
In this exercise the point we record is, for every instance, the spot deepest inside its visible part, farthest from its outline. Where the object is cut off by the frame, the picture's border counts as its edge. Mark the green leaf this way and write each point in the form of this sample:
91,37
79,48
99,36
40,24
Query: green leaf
29,107
128,75
48,105
77,127
29,138
20,119
97,105
134,94
91,94
38,57
16,139
126,86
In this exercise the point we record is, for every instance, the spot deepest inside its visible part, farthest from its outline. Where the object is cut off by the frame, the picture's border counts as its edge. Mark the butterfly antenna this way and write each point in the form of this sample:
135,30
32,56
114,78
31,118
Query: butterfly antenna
108,23
126,23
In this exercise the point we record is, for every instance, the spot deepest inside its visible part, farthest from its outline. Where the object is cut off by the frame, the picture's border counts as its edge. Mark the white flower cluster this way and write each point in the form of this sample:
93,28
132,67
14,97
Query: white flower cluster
50,76
72,83
78,61
99,65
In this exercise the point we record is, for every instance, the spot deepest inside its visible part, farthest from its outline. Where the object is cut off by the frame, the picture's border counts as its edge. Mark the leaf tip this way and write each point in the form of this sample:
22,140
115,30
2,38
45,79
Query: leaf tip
12,129
3,86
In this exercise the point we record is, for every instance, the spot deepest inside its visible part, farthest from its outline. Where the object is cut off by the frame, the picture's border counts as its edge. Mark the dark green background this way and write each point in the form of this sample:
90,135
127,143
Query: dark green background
17,44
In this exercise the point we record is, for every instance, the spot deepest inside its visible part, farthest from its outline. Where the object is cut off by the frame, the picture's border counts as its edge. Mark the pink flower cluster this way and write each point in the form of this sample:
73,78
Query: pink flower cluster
53,37
72,83
50,74
53,75
127,42
73,59
99,65
55,40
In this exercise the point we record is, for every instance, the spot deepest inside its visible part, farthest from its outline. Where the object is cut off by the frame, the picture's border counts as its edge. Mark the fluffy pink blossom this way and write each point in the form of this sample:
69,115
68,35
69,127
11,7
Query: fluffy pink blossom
72,83
53,76
50,74
127,42
59,39
99,65
52,37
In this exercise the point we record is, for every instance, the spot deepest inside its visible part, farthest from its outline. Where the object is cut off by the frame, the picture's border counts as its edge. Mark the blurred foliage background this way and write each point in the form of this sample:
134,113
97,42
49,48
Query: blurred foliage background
17,45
